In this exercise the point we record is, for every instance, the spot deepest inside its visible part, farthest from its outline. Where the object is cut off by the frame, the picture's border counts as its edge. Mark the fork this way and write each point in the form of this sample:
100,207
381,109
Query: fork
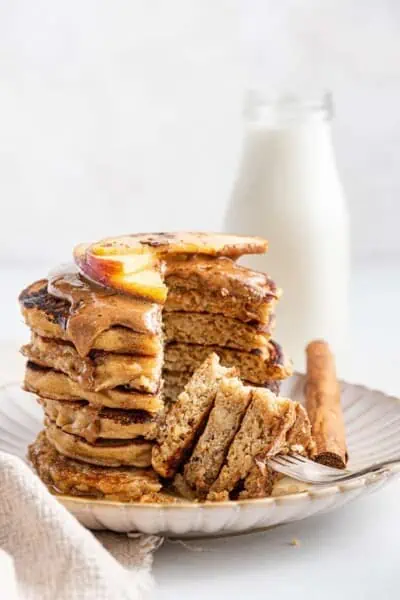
308,471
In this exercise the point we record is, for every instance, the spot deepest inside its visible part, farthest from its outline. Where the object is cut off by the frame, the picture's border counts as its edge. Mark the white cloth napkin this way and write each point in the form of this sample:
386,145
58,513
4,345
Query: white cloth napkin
45,554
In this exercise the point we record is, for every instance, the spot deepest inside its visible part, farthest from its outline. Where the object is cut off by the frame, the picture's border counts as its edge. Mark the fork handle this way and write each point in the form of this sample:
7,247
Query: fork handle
366,471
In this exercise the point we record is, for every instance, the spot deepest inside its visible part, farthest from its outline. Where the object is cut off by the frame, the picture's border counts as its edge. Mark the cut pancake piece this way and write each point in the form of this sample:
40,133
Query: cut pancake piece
208,330
55,385
220,286
256,368
261,478
67,476
84,314
264,432
91,422
99,372
224,420
108,453
174,382
187,416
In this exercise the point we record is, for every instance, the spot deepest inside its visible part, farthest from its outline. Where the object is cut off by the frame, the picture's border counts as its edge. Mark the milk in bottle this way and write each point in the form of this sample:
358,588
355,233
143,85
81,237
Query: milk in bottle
288,190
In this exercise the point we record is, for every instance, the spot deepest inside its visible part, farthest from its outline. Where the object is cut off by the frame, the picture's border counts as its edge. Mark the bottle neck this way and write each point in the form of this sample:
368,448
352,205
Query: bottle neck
287,111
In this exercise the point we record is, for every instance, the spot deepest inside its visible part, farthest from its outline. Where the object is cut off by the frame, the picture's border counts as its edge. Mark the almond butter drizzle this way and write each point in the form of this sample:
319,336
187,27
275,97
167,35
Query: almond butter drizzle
94,309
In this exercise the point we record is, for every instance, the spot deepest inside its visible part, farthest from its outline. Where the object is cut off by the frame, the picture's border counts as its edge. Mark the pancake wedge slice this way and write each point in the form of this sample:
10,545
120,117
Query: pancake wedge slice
187,416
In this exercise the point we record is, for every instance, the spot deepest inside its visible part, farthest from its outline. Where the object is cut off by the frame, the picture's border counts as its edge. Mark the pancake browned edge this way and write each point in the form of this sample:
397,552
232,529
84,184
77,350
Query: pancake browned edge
67,476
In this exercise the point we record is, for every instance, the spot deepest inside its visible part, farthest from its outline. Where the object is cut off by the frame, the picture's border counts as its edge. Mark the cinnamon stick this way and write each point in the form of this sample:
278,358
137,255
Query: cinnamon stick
323,405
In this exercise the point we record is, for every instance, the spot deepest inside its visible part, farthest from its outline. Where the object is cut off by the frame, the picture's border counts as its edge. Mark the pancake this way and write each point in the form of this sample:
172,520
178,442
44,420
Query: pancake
91,317
185,419
218,330
92,423
220,286
174,382
55,385
254,366
119,340
67,476
107,453
100,370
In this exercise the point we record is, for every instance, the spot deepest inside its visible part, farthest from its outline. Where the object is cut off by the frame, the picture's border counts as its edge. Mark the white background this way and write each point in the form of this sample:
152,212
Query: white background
121,116
124,116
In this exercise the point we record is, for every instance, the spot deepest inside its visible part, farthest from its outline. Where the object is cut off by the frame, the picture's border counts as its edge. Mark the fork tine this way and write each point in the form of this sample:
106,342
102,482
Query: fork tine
279,460
289,459
301,458
307,470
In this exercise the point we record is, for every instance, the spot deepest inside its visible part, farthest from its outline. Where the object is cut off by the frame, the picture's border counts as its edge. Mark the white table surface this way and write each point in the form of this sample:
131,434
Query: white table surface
352,553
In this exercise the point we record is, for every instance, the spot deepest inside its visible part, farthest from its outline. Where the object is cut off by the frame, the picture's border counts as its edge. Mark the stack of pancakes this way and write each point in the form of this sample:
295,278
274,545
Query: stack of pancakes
106,365
99,382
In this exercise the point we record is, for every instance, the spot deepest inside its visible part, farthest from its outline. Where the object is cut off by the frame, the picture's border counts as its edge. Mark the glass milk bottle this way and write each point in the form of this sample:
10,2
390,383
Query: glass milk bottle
288,190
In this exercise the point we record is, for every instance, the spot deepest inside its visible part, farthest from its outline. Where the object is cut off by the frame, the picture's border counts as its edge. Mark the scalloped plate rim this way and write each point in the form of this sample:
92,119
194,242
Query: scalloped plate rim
272,502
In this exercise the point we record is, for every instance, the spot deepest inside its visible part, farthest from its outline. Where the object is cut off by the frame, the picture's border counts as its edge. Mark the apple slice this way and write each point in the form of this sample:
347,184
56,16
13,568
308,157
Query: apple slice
122,264
211,244
143,279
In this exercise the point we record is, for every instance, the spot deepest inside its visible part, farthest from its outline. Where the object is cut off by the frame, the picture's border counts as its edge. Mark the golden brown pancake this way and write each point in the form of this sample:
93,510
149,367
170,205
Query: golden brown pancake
86,315
67,476
107,453
100,370
55,385
91,422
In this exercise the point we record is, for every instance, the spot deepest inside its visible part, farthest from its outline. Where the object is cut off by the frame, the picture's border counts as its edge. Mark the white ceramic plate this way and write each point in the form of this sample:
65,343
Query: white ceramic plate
373,434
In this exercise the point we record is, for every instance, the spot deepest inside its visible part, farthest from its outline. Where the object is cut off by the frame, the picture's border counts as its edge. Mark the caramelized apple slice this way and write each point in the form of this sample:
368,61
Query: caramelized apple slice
145,282
211,244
